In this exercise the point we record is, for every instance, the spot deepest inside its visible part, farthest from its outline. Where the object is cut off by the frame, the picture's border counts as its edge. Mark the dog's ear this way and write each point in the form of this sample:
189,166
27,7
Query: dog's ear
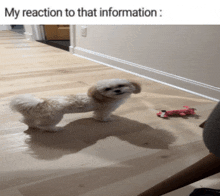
137,87
94,93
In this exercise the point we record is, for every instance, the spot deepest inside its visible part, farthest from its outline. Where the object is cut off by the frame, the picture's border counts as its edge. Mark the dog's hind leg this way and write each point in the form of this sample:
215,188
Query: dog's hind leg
35,124
29,122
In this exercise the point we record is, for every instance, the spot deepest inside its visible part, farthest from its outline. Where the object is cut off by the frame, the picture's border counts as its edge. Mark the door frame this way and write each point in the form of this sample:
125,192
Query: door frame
38,31
72,38
39,34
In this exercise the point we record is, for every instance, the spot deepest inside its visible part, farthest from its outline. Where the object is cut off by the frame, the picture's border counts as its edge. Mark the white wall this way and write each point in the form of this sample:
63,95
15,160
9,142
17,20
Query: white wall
5,27
29,34
185,56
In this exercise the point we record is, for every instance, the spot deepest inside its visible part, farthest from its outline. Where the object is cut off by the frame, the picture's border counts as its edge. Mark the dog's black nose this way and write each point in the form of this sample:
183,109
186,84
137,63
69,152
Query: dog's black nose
117,91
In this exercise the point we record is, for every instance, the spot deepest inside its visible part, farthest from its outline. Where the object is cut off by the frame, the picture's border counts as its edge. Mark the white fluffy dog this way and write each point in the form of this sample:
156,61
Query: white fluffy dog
103,98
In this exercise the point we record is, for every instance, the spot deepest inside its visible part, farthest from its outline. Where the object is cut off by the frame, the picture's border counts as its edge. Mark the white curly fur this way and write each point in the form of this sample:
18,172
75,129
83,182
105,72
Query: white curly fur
103,98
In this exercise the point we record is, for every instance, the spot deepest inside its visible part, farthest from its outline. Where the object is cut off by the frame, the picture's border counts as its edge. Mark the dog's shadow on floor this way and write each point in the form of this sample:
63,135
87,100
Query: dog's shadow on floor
83,133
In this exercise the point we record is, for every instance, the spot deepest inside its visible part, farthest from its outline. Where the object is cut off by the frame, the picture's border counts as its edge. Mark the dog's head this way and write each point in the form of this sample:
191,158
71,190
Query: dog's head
113,89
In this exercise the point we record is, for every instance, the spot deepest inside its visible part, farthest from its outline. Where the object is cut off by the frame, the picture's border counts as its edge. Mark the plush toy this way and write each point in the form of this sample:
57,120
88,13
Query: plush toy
183,112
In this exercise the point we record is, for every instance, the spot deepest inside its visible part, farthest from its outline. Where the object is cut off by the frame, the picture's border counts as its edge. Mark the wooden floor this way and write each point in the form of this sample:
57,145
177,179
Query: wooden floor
121,158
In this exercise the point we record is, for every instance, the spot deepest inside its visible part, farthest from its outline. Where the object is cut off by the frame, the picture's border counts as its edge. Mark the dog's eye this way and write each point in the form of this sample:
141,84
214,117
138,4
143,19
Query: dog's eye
121,85
107,89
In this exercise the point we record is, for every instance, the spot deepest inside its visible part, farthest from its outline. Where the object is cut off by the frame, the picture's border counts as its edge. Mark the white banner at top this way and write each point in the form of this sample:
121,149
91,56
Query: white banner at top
110,12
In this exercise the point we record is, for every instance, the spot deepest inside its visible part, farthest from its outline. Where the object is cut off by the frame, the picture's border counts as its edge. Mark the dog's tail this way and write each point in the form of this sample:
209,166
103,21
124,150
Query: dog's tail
23,103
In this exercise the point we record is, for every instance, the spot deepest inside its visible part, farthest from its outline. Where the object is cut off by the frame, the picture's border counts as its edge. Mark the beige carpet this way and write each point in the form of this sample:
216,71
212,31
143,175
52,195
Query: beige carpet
121,158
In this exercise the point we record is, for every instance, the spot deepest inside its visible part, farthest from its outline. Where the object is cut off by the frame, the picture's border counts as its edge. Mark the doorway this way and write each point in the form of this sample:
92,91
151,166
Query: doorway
57,36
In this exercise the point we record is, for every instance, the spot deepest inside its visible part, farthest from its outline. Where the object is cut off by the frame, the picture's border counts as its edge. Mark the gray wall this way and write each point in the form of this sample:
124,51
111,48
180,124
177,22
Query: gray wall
188,56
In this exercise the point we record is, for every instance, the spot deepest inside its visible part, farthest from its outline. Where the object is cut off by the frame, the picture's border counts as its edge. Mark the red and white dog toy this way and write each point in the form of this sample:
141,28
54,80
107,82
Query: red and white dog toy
184,112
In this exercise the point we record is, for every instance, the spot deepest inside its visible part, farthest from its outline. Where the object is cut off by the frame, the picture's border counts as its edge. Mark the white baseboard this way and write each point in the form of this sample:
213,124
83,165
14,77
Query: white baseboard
71,49
185,84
